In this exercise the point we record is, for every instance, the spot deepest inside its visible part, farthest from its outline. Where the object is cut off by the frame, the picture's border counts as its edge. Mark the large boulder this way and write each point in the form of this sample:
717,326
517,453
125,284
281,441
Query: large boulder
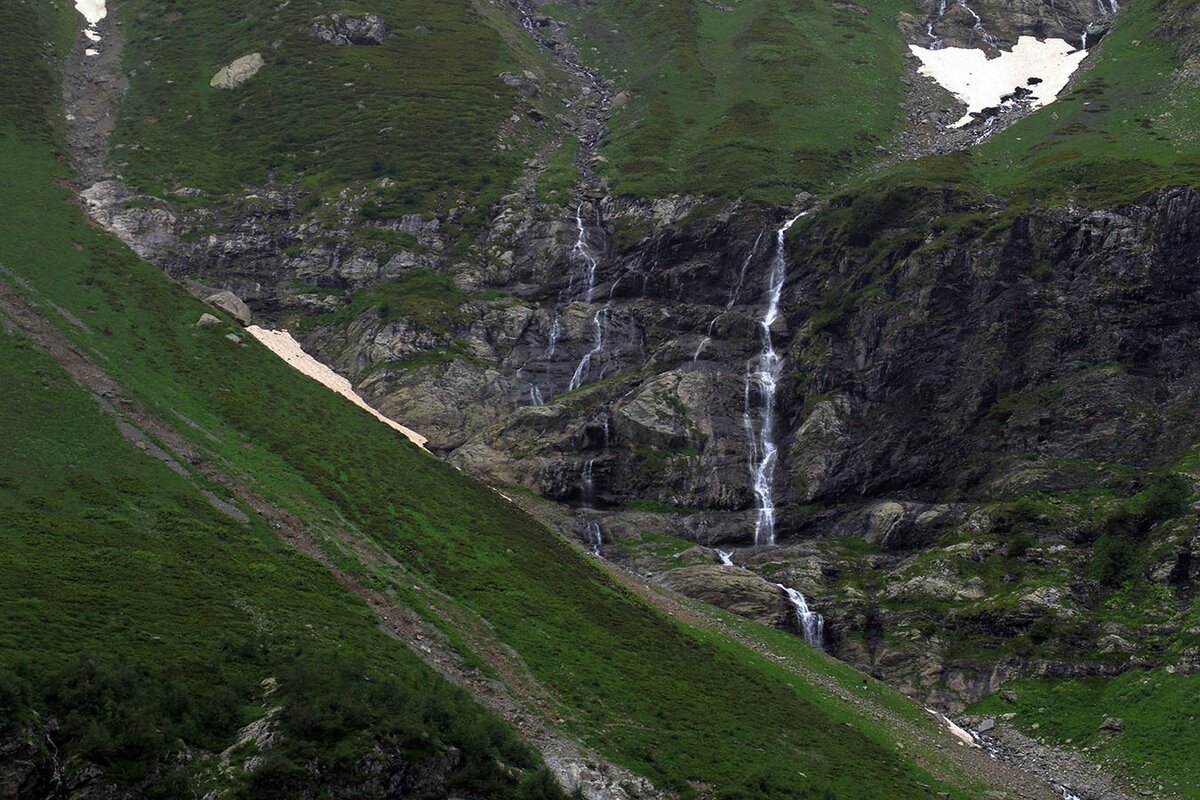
231,304
340,31
733,589
237,72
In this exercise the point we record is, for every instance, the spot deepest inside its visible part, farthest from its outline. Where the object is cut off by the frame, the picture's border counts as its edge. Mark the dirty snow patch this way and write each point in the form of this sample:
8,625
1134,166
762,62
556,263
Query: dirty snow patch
1041,67
957,732
283,345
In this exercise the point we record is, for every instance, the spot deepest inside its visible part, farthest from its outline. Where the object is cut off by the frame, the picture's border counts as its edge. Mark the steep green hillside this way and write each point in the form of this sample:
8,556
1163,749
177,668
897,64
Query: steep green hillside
1127,126
143,606
759,98
118,550
423,109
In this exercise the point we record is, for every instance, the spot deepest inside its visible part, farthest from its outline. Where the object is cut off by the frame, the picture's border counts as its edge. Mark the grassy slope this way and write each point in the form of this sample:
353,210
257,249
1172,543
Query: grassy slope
769,99
423,109
666,700
1158,744
107,553
676,703
1128,126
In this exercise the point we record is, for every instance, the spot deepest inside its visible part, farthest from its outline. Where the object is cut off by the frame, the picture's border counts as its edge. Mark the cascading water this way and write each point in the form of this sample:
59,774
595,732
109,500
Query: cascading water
552,339
761,437
582,252
810,623
937,43
726,557
581,370
592,533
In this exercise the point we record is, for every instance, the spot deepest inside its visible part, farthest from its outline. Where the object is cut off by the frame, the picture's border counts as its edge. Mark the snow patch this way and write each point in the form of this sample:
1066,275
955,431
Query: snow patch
283,345
1040,67
964,738
92,10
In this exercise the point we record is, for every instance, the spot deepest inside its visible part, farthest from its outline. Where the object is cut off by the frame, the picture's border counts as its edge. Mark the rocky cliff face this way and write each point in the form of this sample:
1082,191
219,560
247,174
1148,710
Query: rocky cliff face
967,389
945,357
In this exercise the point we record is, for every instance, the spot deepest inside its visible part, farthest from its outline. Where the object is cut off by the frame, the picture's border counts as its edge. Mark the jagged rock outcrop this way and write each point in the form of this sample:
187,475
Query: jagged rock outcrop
337,30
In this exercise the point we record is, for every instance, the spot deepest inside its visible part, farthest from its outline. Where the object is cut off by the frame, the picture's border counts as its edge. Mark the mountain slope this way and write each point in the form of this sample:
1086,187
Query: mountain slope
985,418
163,511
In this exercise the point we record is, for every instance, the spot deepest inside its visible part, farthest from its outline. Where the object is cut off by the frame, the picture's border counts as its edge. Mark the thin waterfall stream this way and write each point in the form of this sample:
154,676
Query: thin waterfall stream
592,533
582,251
764,376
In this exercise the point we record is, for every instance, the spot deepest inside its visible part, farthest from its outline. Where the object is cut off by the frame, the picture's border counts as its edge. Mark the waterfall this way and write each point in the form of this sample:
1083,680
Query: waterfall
581,251
761,440
592,534
535,396
978,26
726,557
810,623
552,343
581,370
1067,794
587,483
936,42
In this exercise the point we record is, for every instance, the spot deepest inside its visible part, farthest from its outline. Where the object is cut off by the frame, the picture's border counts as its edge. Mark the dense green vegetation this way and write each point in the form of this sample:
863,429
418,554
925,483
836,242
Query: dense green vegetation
423,110
137,614
762,100
144,619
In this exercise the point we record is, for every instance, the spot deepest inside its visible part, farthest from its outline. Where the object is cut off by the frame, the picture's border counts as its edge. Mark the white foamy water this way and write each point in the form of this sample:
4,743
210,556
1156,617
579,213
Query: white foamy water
283,345
1042,67
811,624
726,557
760,434
582,252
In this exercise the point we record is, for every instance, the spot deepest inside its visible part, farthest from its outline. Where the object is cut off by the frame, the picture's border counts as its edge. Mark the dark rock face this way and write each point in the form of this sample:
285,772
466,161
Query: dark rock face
29,768
338,30
1068,334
